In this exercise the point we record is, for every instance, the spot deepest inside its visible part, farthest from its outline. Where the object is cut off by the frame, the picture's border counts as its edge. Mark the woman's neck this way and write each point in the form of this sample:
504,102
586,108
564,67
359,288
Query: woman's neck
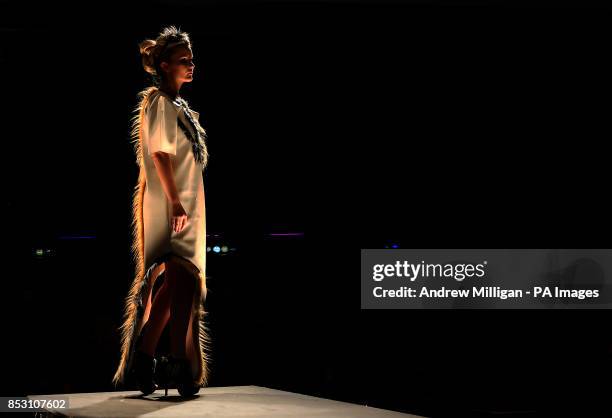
170,89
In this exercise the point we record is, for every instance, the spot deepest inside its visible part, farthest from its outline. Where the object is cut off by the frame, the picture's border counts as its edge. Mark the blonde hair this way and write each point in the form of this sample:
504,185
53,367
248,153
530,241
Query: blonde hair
154,51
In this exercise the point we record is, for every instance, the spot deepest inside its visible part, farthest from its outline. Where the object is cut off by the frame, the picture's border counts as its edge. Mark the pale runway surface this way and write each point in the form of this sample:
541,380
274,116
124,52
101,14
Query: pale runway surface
218,402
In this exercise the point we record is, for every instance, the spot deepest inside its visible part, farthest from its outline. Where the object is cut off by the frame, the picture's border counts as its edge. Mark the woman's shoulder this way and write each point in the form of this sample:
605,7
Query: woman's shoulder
159,98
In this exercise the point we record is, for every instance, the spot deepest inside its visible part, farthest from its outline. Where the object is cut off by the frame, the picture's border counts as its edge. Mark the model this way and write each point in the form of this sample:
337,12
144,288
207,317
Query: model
168,229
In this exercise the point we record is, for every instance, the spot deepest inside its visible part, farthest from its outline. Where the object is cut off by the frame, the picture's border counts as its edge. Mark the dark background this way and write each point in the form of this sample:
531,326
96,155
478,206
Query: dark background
358,124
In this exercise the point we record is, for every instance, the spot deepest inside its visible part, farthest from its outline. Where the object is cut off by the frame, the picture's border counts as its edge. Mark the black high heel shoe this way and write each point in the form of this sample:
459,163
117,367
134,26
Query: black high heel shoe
144,367
144,371
176,372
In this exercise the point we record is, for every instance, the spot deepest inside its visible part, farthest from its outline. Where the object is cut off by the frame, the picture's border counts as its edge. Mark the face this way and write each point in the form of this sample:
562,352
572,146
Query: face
180,66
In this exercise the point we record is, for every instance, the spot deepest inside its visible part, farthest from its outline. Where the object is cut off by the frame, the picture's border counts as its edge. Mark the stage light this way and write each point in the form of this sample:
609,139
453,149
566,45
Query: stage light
224,249
216,248
41,252
207,249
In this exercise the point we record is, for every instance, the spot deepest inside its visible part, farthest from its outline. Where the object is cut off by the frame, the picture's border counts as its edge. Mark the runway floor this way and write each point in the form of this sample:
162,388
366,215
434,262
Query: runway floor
218,402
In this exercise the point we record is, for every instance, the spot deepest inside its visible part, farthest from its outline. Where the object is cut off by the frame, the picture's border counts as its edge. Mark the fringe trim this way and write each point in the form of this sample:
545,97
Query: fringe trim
137,298
198,143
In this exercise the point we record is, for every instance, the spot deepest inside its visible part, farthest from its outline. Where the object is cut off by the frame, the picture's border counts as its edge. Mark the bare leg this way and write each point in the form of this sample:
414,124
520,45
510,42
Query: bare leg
156,272
182,277
160,314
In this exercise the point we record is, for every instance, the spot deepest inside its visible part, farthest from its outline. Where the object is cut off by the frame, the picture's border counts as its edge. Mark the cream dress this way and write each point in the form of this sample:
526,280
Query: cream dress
162,133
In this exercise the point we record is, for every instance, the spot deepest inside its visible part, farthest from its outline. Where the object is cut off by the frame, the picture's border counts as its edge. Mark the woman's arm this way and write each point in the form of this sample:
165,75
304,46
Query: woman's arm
163,165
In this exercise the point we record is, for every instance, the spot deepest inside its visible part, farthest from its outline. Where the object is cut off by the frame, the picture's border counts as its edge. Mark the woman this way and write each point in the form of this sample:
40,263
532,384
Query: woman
169,228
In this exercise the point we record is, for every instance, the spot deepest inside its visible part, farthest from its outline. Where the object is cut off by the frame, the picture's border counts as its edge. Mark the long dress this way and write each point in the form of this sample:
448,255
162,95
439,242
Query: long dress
164,124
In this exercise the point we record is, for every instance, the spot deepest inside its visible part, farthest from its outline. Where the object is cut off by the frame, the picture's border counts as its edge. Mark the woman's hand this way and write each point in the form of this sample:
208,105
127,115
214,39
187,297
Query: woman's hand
179,217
